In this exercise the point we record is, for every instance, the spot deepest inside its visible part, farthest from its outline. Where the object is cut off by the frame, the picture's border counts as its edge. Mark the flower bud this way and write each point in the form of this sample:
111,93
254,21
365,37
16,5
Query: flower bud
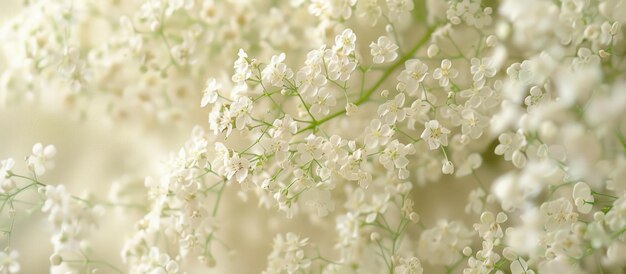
432,51
414,217
55,259
351,109
519,159
375,236
491,41
447,168
467,251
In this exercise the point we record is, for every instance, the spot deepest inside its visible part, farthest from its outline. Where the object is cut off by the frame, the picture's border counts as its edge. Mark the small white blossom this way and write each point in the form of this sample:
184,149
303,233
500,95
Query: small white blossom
384,50
413,75
409,266
41,159
377,134
237,167
392,110
8,262
582,197
435,134
211,92
394,156
322,102
276,71
6,183
445,73
482,68
240,111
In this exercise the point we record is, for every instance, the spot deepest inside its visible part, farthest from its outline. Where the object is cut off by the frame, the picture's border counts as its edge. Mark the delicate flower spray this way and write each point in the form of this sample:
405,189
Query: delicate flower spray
343,116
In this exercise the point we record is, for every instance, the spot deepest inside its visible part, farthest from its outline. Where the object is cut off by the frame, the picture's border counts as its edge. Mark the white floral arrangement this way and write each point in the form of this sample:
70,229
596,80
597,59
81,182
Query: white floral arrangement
381,136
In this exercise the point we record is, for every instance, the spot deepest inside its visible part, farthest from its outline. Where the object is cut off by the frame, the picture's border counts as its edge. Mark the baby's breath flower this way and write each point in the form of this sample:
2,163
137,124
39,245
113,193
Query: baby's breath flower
41,159
384,50
435,134
413,75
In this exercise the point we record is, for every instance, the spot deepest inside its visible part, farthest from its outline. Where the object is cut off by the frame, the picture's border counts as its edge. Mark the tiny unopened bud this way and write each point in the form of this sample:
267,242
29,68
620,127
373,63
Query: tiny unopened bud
604,53
389,28
615,28
207,260
351,109
385,93
56,259
598,216
375,236
284,91
447,168
491,41
467,251
414,217
519,159
155,25
7,186
432,51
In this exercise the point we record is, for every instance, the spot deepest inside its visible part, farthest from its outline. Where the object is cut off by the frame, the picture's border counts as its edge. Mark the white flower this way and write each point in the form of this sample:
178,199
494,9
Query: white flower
399,8
475,201
489,227
341,69
582,197
394,155
41,159
320,201
8,261
616,217
211,92
442,244
6,183
57,197
345,42
535,97
472,123
509,143
377,134
585,58
558,214
287,255
309,150
478,94
413,75
435,134
276,71
384,50
417,112
473,162
242,72
240,111
237,167
409,266
392,111
378,206
445,73
482,68
322,102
